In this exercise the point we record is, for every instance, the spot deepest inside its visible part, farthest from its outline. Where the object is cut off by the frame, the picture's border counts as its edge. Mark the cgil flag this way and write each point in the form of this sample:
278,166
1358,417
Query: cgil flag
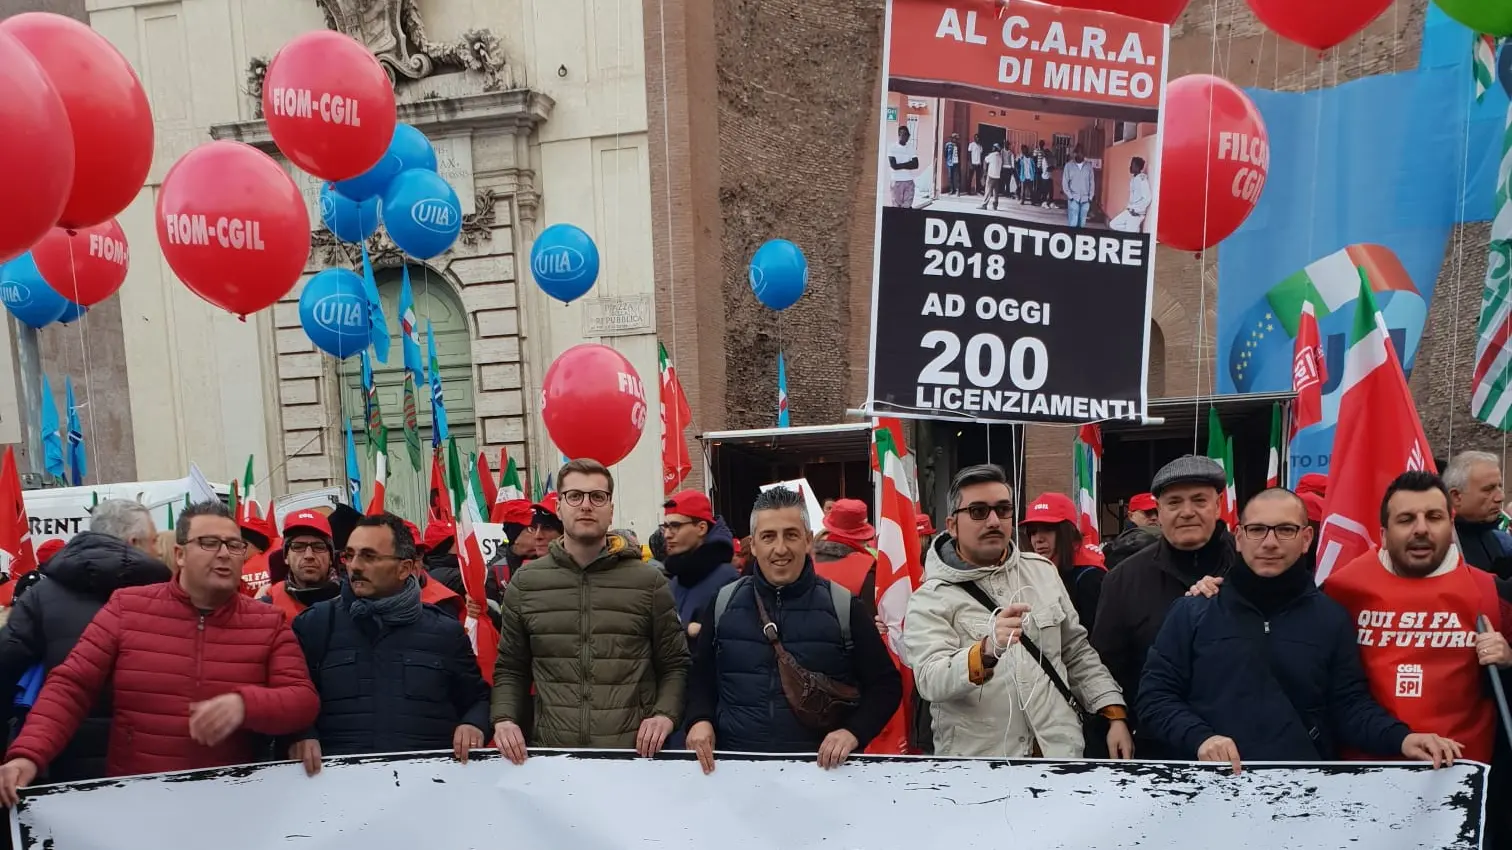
354,473
78,465
1308,371
899,573
675,417
1220,449
1490,400
1273,463
1483,63
1377,438
17,557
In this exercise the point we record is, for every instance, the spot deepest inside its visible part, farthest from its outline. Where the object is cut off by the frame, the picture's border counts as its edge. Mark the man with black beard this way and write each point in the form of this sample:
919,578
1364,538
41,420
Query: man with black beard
700,549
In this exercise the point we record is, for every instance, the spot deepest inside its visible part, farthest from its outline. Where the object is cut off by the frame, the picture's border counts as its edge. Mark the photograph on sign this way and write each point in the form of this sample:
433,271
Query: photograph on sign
1014,266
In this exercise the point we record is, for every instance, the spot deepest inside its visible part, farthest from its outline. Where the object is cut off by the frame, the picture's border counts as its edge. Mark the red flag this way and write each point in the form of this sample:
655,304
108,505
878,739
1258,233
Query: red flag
15,528
440,496
899,572
1378,437
485,477
675,417
1309,372
1091,434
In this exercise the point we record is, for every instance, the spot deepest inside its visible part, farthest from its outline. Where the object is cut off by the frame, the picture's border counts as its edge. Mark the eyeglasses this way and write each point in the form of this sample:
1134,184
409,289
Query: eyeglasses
303,546
672,526
597,498
234,545
1257,531
979,511
367,557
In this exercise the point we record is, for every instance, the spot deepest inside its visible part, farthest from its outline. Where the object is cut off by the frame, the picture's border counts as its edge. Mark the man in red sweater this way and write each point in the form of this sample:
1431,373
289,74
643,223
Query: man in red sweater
195,668
1415,603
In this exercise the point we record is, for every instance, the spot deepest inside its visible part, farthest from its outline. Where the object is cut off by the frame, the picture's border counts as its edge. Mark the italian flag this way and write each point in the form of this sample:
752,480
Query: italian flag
675,416
899,572
250,507
1378,437
510,487
1329,283
1221,449
1085,486
380,484
1273,463
480,630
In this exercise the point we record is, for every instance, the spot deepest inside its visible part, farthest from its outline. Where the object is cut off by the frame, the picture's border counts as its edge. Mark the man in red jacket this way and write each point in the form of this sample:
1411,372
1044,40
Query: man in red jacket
195,668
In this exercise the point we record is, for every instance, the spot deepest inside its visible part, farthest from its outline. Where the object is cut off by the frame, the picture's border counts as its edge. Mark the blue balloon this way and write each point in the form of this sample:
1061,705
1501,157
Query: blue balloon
422,213
349,220
779,274
72,313
408,149
27,295
333,309
564,262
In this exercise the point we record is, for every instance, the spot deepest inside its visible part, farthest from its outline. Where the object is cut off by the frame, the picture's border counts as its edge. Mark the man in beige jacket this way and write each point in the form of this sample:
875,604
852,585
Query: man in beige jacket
985,668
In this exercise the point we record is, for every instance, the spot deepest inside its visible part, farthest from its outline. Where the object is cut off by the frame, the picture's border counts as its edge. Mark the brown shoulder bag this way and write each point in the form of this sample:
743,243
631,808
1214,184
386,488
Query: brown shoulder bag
818,701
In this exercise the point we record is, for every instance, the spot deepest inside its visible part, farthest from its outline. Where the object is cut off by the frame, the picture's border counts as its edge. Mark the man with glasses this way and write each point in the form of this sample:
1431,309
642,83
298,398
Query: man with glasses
700,552
307,550
994,641
594,630
394,674
1268,670
1138,592
195,670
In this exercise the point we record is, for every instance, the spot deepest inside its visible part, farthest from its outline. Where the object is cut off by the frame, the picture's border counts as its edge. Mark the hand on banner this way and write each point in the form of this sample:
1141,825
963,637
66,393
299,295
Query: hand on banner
1491,648
1005,632
306,752
1424,747
701,742
653,733
474,610
212,720
1219,748
1206,586
837,747
15,775
466,739
1120,741
510,740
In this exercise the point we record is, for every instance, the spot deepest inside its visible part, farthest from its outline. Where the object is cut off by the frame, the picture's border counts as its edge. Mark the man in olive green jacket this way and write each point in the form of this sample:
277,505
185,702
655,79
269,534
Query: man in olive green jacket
595,630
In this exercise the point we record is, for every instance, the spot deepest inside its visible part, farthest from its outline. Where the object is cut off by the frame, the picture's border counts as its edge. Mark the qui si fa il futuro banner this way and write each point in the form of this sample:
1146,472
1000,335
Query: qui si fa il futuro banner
1015,243
614,801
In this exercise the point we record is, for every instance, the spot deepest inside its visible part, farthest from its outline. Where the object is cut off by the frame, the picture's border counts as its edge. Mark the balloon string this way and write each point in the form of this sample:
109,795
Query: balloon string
91,451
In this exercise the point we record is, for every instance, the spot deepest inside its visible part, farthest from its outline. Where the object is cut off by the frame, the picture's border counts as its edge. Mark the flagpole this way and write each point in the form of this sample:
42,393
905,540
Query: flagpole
29,378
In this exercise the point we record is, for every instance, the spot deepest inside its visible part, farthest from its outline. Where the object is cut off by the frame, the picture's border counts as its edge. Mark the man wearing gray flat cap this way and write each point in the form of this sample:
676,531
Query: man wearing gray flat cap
1139,591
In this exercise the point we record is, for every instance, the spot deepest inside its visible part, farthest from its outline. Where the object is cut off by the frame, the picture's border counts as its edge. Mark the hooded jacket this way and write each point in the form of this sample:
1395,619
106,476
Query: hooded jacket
601,644
696,577
49,618
1135,598
944,624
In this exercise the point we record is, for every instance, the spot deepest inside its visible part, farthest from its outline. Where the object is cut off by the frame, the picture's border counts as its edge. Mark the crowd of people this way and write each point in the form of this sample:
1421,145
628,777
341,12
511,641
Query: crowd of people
1181,638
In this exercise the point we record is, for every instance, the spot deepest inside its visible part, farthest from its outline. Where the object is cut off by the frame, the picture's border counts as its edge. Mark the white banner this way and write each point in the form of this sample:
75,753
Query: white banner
614,801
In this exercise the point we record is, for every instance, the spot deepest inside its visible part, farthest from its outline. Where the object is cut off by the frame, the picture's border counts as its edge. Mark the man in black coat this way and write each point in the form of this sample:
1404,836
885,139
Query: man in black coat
1269,669
1137,593
394,674
48,619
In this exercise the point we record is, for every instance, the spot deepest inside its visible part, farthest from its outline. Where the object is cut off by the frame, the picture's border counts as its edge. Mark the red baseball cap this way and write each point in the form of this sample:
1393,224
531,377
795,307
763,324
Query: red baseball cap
1313,482
438,531
691,504
1142,502
48,549
512,512
309,520
1050,508
923,524
548,503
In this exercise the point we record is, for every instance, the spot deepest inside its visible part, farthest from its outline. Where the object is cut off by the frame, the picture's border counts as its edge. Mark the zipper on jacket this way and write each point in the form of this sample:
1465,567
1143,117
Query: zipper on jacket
585,631
199,657
1267,626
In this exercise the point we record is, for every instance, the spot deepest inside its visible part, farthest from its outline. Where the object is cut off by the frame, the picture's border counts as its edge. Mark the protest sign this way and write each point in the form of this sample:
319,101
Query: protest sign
1020,290
615,801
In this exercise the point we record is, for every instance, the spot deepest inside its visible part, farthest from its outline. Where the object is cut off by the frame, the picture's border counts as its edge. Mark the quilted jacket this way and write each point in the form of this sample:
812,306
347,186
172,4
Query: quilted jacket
602,645
160,655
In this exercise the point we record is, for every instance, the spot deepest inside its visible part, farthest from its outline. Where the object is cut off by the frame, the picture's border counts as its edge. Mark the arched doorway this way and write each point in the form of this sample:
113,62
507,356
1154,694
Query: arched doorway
1155,386
409,489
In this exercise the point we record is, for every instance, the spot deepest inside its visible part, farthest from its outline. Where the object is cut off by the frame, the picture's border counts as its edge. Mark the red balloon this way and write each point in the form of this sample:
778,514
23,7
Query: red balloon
36,150
1214,156
107,111
1315,24
329,105
594,403
1159,11
233,226
86,266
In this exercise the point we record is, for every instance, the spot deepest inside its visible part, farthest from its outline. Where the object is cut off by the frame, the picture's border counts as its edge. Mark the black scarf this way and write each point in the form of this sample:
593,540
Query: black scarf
690,568
1271,594
387,612
307,596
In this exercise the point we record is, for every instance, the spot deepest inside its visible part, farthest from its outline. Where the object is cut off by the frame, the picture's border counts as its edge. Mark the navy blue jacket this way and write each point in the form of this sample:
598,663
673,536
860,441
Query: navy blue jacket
398,690
735,684
696,577
1290,688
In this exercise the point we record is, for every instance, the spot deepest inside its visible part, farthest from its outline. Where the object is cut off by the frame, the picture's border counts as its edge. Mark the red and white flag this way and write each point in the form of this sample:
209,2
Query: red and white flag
16,552
1309,372
480,630
1088,450
675,416
1378,437
900,570
380,484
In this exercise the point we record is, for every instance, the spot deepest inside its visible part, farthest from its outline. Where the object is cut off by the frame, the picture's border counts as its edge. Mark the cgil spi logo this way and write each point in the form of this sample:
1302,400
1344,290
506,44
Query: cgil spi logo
436,215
